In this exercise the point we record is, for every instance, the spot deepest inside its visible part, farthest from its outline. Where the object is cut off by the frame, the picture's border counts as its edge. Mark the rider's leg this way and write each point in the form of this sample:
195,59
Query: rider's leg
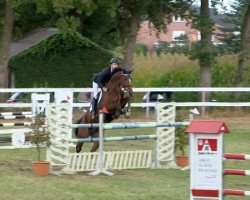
94,100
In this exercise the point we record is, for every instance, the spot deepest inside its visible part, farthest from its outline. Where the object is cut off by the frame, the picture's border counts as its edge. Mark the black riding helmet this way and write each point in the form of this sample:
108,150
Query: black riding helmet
114,60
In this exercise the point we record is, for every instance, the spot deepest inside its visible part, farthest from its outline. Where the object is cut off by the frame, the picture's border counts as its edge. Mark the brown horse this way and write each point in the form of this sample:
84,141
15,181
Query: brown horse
119,94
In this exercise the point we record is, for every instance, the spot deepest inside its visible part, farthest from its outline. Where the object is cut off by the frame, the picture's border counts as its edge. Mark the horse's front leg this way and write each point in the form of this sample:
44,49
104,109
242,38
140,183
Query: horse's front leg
95,146
127,110
82,133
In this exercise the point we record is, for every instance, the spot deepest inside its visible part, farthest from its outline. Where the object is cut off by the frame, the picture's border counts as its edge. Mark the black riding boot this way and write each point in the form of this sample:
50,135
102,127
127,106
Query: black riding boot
94,107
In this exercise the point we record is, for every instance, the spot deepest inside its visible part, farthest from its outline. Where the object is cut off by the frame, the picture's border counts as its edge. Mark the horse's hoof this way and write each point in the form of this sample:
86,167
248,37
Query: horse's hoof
78,150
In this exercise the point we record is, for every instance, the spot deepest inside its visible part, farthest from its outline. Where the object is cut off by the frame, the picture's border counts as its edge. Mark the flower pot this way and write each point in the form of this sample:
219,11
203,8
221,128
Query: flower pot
182,161
41,168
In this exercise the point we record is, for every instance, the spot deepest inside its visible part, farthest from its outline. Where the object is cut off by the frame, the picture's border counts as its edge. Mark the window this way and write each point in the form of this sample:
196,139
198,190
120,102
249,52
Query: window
177,34
178,19
199,37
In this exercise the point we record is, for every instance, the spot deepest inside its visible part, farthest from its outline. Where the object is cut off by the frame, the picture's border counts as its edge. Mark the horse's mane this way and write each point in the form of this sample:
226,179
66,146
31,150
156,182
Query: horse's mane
114,72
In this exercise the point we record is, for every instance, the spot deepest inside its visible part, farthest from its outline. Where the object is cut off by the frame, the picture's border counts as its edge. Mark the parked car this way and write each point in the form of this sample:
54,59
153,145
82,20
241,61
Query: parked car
18,97
153,96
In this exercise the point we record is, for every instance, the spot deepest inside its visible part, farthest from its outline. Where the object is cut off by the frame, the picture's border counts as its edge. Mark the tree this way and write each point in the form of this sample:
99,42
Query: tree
204,51
206,58
103,23
159,13
5,45
245,50
237,40
26,19
31,14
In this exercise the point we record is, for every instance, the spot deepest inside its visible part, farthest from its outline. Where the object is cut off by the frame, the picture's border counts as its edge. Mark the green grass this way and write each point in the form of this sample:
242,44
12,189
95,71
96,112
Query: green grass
18,182
152,66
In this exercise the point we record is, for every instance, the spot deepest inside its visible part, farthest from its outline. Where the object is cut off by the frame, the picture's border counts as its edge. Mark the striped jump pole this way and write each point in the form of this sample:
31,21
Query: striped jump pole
236,156
237,172
16,124
16,116
121,138
15,113
237,192
131,125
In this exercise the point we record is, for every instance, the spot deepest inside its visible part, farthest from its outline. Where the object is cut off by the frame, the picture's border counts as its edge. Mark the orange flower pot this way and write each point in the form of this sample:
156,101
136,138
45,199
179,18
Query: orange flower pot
182,161
41,168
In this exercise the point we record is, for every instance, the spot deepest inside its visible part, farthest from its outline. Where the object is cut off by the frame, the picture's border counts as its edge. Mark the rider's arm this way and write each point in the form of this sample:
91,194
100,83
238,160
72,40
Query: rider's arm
100,79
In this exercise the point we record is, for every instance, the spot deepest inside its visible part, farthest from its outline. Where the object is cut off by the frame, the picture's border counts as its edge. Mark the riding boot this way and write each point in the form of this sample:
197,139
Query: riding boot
94,107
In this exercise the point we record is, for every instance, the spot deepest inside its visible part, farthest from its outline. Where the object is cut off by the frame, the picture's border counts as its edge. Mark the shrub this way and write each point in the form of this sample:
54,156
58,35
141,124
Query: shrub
141,49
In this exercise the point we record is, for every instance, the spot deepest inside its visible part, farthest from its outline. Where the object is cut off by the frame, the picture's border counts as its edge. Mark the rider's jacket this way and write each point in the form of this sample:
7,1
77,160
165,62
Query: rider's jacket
102,77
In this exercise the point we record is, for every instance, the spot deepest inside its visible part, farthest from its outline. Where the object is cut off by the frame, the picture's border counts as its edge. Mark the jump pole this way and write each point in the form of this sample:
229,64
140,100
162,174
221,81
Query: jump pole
131,125
100,169
117,138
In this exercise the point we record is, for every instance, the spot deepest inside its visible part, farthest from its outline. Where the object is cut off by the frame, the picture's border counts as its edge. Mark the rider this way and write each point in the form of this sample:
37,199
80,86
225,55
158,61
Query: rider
99,81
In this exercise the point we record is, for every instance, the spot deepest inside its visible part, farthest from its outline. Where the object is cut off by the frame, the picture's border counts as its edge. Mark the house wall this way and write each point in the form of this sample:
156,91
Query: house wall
149,36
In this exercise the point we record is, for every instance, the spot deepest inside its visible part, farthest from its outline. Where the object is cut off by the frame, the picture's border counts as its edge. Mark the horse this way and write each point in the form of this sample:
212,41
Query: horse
118,95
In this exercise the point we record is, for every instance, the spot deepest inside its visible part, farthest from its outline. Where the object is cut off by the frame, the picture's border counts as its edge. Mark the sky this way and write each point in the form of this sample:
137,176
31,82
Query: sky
226,3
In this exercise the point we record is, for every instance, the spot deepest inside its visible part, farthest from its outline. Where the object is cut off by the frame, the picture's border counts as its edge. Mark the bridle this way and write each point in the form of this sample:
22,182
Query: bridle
126,90
126,93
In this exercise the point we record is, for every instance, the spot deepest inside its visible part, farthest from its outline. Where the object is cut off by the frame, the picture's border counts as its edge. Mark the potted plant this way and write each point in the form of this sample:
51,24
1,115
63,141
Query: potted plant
181,140
39,136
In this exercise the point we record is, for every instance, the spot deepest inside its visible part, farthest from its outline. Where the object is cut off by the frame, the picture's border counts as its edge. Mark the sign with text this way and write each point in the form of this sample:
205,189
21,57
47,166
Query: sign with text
206,165
206,154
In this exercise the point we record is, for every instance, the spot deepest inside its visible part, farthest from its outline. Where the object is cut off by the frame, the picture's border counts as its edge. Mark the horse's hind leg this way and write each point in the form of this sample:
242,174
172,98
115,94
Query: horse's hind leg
79,147
95,146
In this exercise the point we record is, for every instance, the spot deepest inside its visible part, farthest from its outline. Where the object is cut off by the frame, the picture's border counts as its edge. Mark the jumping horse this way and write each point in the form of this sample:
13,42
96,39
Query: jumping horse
118,95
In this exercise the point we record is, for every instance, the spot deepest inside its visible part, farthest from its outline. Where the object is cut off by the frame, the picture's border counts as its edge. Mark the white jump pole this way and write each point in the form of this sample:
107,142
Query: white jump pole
101,169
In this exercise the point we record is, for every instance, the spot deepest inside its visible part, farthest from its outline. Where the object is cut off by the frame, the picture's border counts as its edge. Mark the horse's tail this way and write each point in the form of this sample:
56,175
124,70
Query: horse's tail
78,122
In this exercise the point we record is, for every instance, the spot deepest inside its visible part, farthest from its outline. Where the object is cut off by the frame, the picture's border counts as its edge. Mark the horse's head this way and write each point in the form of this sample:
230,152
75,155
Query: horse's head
126,83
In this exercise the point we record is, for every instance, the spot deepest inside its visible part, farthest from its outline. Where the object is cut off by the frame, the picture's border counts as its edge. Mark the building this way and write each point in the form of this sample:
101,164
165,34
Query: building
178,27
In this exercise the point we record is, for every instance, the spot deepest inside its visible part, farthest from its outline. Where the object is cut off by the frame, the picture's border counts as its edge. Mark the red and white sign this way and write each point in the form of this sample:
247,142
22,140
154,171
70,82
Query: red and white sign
206,152
207,145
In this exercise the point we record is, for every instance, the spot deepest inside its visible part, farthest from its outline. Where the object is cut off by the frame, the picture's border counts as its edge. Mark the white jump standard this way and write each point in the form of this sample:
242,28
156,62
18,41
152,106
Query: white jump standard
59,120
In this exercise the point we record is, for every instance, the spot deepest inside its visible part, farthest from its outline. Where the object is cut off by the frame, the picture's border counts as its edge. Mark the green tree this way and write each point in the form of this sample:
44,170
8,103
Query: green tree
206,57
102,26
243,66
237,40
8,22
203,50
18,18
159,13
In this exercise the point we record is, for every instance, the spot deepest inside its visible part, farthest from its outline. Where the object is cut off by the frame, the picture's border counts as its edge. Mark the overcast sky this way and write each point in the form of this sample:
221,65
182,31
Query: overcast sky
226,3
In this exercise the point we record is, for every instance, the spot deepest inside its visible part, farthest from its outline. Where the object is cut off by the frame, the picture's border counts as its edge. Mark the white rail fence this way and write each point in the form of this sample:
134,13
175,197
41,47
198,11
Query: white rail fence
146,104
76,103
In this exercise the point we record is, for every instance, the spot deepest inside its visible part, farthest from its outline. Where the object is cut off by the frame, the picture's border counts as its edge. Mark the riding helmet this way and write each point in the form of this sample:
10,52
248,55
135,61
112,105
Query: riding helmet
114,60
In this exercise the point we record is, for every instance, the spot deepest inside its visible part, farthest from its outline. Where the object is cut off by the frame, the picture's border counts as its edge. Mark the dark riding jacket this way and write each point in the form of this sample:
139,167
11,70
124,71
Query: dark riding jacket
102,77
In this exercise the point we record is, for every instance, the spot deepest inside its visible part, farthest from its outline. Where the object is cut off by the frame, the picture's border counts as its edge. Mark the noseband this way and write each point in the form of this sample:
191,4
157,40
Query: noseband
126,90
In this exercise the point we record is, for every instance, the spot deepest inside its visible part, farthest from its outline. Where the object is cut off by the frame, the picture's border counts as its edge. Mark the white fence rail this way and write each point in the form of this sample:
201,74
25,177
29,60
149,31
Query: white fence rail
203,90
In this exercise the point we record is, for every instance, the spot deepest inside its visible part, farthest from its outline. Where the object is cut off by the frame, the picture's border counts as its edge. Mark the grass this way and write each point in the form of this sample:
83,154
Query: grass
18,182
148,68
